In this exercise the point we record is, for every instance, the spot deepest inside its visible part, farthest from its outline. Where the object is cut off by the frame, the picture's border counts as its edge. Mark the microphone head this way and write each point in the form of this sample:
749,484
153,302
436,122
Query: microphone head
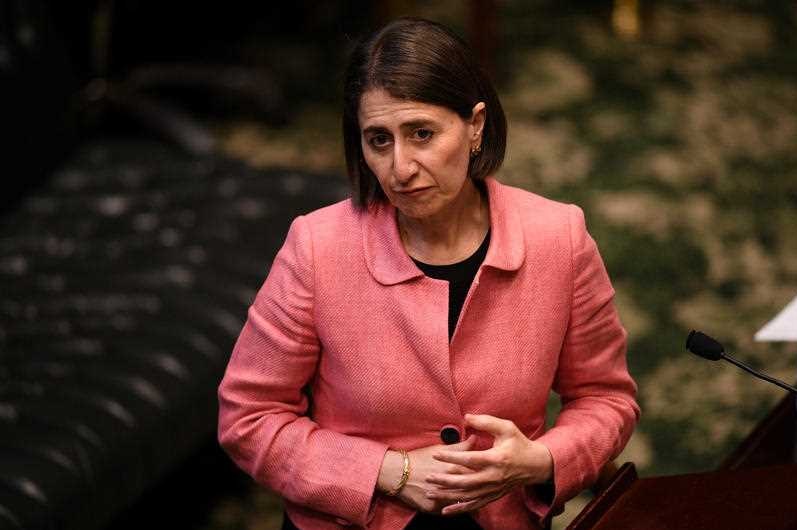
704,346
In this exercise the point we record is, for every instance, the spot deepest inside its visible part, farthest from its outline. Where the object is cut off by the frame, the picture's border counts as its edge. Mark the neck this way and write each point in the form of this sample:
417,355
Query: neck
450,235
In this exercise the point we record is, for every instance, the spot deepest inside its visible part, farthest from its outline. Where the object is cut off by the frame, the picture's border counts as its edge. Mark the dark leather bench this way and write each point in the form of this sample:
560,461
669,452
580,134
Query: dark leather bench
124,282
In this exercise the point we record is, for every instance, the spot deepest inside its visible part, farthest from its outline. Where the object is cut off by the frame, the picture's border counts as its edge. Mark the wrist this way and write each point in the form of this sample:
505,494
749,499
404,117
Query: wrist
540,463
548,458
391,472
405,474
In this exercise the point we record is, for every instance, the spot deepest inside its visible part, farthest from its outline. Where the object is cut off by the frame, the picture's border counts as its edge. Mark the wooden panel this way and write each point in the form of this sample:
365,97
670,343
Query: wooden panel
747,498
602,502
772,442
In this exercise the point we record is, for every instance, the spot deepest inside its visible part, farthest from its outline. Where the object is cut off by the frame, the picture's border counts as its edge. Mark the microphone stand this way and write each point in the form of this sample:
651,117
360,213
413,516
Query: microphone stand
704,346
758,374
709,348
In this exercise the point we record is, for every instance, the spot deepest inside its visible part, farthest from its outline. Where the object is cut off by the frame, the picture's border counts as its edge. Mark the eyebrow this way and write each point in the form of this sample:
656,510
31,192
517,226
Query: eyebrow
414,124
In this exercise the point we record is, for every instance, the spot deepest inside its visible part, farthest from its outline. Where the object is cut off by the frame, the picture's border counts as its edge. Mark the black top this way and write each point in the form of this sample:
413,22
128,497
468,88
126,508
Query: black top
459,276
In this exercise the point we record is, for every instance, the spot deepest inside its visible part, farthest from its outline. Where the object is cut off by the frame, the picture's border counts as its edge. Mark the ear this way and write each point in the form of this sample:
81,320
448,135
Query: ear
477,118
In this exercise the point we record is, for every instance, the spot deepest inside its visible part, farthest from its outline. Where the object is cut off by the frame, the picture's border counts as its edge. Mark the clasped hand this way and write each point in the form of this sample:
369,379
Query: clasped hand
452,479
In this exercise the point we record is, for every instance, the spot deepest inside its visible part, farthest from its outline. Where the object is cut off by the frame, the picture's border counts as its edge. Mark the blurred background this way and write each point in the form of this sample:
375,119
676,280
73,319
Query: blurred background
672,123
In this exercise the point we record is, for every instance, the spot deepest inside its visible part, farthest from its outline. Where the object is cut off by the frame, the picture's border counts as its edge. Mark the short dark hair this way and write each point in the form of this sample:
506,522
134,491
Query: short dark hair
423,61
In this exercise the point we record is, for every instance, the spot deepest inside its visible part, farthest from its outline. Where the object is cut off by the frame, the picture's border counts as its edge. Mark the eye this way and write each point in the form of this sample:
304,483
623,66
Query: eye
423,134
379,140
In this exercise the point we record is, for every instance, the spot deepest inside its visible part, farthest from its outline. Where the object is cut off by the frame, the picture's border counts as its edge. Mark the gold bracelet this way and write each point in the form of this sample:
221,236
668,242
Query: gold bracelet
405,475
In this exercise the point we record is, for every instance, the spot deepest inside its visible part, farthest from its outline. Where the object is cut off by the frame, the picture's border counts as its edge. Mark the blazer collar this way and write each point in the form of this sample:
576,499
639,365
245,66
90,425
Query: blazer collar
390,264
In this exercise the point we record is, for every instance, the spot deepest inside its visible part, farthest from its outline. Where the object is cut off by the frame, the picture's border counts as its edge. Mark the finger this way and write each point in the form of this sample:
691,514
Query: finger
465,481
469,506
464,445
491,424
470,459
453,469
450,496
460,507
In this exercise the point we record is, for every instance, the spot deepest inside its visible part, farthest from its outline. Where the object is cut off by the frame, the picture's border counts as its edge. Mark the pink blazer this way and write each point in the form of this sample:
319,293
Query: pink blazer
345,313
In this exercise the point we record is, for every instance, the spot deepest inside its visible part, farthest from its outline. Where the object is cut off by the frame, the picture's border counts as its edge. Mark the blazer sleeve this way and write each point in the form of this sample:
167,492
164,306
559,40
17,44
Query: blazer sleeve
263,422
599,408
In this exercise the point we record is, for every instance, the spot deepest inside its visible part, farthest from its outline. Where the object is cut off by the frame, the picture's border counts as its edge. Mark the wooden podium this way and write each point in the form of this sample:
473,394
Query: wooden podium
754,488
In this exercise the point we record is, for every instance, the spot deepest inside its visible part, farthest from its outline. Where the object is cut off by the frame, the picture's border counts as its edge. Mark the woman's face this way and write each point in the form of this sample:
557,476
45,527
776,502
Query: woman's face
418,152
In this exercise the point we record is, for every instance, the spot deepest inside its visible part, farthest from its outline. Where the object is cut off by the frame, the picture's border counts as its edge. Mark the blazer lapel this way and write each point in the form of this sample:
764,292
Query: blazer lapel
384,253
507,245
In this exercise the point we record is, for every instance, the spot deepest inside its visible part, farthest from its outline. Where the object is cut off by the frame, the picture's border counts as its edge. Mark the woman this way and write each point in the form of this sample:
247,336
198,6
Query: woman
429,317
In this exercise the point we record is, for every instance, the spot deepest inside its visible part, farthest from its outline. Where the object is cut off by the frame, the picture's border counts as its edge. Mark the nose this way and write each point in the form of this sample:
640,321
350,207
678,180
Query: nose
404,165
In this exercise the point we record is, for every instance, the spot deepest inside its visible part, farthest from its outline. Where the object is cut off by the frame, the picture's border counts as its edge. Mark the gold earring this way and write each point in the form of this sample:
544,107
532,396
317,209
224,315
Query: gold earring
474,151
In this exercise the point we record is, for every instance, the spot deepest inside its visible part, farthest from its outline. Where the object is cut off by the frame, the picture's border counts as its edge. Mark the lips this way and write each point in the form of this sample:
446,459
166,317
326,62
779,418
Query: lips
413,192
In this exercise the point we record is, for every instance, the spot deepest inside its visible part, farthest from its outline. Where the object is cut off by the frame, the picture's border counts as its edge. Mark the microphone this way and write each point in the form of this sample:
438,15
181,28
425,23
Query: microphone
708,348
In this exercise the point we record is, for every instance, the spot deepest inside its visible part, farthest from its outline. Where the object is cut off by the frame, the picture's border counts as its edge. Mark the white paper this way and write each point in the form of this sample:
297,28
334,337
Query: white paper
781,328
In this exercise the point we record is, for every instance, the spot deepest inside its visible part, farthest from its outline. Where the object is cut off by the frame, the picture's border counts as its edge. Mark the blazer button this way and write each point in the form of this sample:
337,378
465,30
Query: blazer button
449,434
